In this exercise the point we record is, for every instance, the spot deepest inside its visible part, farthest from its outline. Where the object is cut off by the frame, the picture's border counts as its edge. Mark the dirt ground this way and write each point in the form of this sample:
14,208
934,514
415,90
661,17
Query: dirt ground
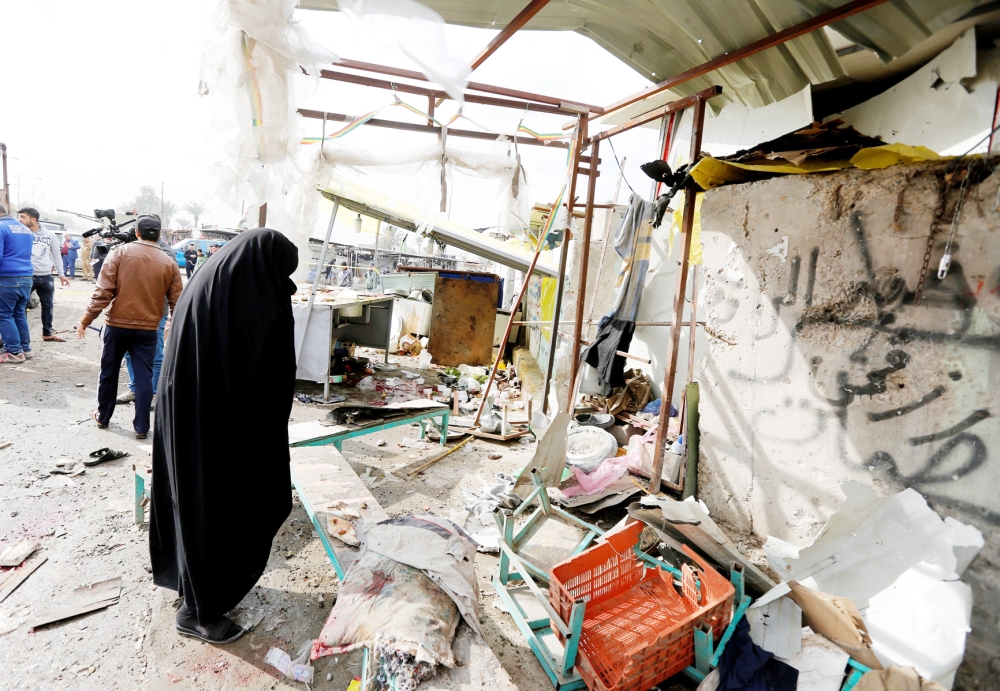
86,529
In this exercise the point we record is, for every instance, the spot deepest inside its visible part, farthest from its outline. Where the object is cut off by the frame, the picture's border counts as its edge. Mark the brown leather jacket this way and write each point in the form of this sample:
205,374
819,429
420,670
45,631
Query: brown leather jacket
134,281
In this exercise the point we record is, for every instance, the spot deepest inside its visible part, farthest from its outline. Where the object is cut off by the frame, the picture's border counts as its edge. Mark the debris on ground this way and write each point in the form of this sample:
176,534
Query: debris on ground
81,601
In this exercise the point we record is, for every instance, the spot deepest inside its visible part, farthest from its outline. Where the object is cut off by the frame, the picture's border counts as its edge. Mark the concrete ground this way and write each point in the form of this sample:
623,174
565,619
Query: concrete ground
86,529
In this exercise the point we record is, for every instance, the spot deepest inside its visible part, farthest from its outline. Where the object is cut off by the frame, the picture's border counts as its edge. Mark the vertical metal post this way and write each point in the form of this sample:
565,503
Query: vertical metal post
262,216
312,295
581,292
687,224
6,187
581,137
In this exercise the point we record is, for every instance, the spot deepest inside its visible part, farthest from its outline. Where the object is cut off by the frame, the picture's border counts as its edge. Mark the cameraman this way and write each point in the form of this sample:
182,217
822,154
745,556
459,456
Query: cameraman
135,279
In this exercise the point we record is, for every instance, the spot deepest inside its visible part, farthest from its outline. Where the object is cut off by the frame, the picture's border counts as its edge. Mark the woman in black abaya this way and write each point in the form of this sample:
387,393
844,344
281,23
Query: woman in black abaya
221,484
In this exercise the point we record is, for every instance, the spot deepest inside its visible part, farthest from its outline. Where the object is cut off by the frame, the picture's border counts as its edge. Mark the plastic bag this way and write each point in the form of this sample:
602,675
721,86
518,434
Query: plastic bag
611,469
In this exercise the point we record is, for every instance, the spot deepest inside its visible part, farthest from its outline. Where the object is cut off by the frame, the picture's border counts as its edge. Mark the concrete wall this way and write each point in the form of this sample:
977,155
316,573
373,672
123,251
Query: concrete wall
821,367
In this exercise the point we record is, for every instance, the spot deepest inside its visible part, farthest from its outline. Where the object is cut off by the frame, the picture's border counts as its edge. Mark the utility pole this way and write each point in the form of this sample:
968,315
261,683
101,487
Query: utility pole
6,186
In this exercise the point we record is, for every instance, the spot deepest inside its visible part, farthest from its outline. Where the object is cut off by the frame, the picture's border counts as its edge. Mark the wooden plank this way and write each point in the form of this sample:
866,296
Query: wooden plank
835,15
83,600
515,25
463,319
323,477
18,576
18,552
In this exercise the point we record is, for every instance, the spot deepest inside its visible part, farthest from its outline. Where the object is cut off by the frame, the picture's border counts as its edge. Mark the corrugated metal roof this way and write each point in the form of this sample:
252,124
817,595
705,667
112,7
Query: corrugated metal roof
661,38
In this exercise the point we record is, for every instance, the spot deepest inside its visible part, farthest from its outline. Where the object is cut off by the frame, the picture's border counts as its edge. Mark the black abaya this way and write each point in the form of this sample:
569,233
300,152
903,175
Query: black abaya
221,483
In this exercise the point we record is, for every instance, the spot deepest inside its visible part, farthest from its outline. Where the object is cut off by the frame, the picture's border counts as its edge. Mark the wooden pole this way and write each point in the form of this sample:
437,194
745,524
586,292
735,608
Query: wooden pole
581,292
687,225
262,216
581,138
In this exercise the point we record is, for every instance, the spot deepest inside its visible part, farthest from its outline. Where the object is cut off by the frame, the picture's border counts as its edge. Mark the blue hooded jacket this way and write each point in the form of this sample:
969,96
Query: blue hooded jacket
16,240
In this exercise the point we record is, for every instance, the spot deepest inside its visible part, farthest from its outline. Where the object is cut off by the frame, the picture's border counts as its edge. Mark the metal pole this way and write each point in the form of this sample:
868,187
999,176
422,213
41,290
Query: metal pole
581,138
581,293
687,225
312,295
6,187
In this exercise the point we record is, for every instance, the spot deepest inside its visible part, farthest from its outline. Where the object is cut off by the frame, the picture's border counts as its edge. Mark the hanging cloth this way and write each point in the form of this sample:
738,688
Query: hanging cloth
615,330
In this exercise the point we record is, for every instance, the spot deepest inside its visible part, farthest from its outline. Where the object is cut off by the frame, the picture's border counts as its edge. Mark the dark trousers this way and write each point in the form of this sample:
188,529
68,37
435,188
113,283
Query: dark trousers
189,267
46,288
141,347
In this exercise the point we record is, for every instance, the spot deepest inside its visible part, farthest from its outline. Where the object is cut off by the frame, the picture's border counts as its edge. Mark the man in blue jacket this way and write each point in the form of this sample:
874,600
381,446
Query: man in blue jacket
16,241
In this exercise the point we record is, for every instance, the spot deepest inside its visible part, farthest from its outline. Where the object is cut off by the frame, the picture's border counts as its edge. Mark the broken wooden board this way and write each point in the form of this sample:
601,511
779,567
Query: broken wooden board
18,552
323,477
83,600
463,319
14,578
686,522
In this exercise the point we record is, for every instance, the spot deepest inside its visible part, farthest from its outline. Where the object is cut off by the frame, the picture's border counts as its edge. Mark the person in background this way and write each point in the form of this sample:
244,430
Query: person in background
202,258
129,396
212,250
236,323
45,260
136,278
190,260
88,266
15,288
373,279
98,253
346,277
70,249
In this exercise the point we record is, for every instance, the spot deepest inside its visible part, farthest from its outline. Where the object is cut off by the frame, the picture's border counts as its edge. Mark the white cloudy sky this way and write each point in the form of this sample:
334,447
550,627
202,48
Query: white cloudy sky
104,100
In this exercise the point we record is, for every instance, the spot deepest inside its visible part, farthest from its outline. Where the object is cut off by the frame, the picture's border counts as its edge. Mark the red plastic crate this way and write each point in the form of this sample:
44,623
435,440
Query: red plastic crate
637,629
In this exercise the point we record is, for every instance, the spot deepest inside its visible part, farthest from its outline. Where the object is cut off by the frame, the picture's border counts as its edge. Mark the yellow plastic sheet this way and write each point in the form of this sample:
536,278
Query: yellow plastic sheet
697,249
891,154
711,172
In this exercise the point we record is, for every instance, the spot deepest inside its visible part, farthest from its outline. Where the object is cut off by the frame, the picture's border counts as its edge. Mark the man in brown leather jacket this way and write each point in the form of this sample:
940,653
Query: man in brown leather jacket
133,283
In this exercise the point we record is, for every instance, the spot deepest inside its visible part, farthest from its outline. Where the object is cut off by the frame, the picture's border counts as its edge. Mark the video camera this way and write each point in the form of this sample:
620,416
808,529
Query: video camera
114,235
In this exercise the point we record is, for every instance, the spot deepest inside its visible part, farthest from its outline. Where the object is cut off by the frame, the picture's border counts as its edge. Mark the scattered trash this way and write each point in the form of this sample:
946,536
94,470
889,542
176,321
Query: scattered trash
5,444
12,579
79,385
884,554
18,552
366,384
495,456
602,420
83,600
407,443
71,468
104,454
298,670
896,679
776,624
380,442
745,666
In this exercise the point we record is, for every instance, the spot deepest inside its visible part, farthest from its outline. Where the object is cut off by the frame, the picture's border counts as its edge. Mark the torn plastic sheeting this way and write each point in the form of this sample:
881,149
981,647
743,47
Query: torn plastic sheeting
297,670
419,33
821,664
867,544
419,541
921,621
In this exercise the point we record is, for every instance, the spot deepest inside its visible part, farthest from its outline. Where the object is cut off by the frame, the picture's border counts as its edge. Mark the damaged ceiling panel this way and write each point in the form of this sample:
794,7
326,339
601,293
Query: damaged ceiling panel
664,38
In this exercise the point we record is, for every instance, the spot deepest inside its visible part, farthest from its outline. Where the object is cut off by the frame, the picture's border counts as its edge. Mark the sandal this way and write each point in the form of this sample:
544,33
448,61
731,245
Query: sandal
94,416
105,454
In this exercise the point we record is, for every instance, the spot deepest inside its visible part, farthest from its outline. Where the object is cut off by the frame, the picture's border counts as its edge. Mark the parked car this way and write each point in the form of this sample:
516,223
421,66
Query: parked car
202,244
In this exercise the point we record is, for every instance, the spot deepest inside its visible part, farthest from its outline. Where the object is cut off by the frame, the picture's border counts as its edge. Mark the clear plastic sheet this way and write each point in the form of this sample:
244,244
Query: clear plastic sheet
418,31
